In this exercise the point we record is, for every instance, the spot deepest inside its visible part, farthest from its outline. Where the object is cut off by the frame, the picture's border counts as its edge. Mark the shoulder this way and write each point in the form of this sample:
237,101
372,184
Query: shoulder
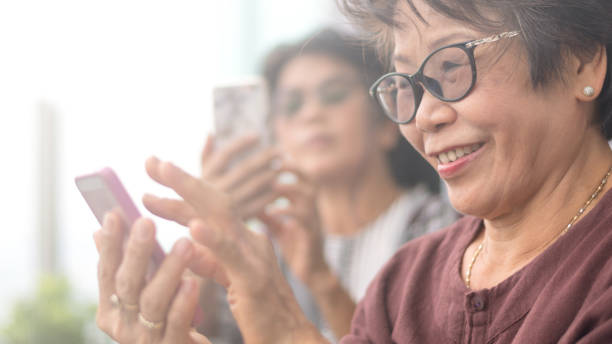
416,268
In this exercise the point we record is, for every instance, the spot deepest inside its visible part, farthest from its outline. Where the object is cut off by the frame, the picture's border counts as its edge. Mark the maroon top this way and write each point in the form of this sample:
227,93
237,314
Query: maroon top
563,296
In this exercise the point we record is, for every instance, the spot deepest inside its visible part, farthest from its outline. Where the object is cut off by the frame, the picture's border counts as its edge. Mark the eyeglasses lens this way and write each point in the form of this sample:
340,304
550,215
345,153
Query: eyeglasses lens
396,96
447,75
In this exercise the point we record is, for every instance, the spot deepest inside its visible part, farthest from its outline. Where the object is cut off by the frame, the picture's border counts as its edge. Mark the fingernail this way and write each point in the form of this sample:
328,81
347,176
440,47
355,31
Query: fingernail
108,222
183,248
187,285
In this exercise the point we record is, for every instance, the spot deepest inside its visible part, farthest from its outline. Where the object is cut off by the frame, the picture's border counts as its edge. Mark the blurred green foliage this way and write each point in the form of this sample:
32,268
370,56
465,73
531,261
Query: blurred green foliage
51,316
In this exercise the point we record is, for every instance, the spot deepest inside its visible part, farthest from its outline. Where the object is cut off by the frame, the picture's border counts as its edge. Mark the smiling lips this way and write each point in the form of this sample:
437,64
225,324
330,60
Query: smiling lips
454,154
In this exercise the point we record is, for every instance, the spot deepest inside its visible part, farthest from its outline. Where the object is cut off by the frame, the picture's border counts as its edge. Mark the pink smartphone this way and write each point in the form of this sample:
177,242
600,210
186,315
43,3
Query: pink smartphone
104,192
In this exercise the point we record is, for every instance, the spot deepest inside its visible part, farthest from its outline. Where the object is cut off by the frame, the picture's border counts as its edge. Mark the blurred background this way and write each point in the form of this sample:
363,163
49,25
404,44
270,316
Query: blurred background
88,84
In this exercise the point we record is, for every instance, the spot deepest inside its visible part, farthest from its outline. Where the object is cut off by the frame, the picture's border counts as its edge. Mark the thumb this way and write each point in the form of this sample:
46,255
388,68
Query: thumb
209,147
196,338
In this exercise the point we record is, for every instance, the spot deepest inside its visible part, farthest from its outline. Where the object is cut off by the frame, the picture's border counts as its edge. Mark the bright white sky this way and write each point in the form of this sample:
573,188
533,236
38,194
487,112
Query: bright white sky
127,78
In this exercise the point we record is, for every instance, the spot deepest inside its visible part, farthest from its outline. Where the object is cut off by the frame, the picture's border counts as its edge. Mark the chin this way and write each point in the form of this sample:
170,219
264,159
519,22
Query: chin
473,204
323,172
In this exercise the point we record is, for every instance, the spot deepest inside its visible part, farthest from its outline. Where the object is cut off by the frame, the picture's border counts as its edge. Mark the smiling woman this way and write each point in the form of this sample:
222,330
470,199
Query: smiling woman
522,148
523,152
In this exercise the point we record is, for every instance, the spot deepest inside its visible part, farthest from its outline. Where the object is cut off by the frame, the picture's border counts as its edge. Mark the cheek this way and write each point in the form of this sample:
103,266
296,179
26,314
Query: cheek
283,134
351,122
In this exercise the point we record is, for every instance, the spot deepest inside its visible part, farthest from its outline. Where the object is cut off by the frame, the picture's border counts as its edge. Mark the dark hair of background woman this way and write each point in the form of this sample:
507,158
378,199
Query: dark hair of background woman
407,166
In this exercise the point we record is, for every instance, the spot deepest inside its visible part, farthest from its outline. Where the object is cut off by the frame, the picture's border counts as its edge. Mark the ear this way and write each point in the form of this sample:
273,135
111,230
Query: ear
387,134
591,73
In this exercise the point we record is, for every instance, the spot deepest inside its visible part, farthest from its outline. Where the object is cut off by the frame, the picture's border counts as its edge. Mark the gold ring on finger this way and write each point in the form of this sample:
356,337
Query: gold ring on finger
151,325
117,303
130,307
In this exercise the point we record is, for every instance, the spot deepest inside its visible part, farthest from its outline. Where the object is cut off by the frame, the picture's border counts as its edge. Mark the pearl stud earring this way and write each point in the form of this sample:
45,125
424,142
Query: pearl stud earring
588,91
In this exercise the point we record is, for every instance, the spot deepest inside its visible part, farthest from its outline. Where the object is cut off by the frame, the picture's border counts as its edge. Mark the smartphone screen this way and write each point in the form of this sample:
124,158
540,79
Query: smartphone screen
241,108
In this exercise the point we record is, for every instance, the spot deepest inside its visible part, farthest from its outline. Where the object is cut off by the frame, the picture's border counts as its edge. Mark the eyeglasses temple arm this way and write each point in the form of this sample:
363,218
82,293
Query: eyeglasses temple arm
493,38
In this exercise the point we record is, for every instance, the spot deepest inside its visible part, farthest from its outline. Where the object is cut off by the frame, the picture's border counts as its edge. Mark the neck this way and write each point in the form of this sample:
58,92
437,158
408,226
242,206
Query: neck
512,240
347,204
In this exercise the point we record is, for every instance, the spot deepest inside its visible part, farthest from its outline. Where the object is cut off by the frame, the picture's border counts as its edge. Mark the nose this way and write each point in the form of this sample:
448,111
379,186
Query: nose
434,114
311,110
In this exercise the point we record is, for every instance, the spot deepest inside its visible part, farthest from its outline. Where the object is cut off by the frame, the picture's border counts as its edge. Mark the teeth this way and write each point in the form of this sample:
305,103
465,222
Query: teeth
455,154
443,158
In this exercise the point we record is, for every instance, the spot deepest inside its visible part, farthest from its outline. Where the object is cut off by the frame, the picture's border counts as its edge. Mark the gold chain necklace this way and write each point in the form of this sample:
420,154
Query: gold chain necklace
594,195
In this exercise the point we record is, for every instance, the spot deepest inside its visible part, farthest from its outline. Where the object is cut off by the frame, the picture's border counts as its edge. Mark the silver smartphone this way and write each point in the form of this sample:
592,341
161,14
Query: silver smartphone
241,108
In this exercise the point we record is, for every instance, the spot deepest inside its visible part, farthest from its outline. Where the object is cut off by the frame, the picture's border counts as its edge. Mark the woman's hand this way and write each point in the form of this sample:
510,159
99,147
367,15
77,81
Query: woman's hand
260,299
249,182
297,229
132,309
247,187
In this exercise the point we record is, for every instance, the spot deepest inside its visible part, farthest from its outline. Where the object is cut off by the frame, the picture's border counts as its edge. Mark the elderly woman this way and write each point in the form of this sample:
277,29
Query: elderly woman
510,102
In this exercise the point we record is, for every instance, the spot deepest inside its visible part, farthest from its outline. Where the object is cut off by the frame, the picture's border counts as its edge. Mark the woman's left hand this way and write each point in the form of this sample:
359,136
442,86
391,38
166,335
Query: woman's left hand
132,309
296,228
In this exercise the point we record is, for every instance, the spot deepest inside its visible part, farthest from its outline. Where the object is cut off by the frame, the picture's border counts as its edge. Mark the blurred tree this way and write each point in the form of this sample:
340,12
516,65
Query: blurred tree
51,316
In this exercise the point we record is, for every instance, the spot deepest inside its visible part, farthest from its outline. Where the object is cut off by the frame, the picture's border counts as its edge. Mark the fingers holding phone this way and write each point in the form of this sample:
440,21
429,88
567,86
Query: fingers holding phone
132,264
132,308
240,159
249,181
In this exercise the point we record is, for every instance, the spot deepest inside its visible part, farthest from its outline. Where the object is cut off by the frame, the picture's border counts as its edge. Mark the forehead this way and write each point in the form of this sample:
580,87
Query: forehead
310,70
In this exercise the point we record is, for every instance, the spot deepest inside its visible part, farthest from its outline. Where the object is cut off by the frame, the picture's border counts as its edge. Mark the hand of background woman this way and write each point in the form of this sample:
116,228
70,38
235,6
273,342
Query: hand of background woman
296,228
249,182
132,309
260,298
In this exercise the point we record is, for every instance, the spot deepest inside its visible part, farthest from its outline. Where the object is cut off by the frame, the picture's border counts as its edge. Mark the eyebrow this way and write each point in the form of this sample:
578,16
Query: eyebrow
333,80
458,37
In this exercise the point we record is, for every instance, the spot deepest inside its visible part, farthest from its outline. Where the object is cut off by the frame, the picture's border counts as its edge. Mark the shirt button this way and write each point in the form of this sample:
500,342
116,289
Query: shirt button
478,303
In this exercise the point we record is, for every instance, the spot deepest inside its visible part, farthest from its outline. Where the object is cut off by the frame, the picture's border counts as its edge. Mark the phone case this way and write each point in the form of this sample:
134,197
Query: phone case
241,108
103,192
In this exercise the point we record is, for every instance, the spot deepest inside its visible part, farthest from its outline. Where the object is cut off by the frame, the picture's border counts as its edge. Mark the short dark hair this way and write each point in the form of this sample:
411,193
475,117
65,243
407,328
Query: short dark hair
407,166
550,29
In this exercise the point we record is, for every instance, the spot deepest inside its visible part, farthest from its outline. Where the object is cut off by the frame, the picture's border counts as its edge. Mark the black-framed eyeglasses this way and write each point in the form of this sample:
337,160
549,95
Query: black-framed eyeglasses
448,73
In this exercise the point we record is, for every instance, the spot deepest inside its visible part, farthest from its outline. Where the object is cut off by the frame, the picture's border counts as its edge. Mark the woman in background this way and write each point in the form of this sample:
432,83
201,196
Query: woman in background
361,189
